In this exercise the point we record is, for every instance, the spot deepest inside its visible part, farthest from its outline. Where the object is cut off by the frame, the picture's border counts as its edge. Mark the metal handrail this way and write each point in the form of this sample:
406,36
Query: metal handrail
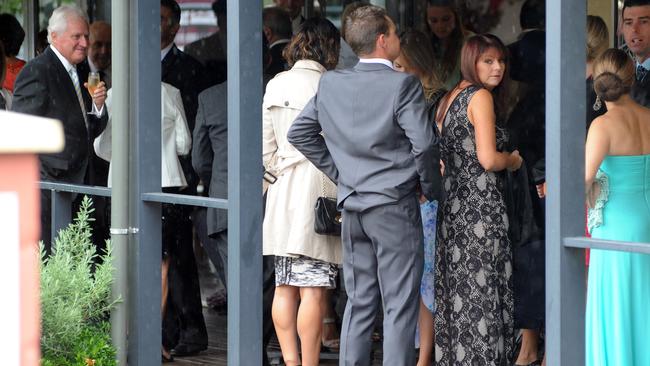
76,188
177,199
620,246
182,199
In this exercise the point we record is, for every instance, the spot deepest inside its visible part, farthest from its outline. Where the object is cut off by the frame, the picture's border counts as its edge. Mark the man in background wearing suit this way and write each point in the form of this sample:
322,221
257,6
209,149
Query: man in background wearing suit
52,85
210,160
184,309
99,50
636,31
377,143
99,61
294,8
277,31
211,50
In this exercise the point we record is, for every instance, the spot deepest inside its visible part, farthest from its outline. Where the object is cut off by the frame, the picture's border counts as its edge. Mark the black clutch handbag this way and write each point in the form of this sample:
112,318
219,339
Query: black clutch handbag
327,220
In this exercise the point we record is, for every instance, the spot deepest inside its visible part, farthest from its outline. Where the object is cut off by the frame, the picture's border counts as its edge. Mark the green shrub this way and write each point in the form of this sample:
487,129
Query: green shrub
76,298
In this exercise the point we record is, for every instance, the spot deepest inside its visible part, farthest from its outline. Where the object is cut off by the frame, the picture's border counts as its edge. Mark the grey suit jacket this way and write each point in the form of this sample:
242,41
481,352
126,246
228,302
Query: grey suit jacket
210,150
378,141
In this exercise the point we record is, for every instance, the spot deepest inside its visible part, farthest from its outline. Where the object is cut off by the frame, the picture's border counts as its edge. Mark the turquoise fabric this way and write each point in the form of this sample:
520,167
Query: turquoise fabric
618,294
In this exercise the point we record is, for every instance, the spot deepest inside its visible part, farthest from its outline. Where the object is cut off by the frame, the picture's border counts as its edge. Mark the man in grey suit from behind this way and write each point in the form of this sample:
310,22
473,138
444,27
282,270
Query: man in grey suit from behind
378,145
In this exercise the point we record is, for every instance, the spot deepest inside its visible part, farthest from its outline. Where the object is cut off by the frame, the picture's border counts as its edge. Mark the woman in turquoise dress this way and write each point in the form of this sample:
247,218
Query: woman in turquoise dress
618,192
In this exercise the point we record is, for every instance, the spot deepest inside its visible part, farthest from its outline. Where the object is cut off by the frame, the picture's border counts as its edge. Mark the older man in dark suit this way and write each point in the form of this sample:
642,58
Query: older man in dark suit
52,85
185,310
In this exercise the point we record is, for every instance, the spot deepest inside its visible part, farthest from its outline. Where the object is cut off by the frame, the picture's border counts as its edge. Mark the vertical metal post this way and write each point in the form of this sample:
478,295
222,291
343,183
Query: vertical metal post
244,183
120,176
61,212
565,115
30,25
144,144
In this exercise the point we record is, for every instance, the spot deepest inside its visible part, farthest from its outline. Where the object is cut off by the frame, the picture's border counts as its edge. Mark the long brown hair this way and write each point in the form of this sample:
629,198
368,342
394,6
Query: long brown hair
474,47
419,55
447,58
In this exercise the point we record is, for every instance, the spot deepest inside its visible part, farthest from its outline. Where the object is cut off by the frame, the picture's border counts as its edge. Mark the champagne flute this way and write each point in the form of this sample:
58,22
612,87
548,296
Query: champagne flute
93,82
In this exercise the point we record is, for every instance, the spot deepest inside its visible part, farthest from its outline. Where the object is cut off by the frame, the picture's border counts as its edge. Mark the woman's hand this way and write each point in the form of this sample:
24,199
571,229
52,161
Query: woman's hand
514,161
541,190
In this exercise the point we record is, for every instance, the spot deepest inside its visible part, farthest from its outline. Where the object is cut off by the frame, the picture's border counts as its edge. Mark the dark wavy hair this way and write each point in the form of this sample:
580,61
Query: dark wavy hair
476,46
317,40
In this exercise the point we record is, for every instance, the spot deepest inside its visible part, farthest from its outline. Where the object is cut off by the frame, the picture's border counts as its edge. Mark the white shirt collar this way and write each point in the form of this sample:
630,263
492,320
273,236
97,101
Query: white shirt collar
279,41
376,61
93,68
165,51
645,64
63,60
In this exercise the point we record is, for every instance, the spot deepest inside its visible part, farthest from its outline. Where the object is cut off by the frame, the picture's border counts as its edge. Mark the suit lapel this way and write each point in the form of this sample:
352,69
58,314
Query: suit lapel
65,84
168,62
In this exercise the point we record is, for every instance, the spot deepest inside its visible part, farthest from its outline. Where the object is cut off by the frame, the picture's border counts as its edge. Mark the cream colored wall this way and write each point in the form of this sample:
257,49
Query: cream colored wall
603,8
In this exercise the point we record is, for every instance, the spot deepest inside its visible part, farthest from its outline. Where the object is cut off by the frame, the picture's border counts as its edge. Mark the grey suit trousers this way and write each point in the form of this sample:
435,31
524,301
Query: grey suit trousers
382,257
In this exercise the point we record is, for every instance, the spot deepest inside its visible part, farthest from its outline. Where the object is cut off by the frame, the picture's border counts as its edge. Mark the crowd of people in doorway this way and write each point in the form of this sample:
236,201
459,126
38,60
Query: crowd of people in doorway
406,167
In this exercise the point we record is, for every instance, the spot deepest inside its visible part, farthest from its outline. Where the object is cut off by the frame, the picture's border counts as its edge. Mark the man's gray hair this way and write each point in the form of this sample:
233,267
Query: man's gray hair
59,20
363,26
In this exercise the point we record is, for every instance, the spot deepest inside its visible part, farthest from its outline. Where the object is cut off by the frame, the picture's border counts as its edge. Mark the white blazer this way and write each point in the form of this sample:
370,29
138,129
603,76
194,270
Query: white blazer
175,137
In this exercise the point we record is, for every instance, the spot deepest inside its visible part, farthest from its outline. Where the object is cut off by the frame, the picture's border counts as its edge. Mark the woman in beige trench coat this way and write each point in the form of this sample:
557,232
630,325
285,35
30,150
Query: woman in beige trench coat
305,262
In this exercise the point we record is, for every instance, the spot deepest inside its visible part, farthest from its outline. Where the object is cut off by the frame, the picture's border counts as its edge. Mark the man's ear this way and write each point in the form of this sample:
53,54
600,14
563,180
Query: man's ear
381,41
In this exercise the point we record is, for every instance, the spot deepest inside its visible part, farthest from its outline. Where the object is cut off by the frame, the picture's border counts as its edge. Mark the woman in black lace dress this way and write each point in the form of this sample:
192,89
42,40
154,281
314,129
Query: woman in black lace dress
474,294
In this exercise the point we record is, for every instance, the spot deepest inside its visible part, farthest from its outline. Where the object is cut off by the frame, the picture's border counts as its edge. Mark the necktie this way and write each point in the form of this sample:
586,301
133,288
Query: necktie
640,73
75,82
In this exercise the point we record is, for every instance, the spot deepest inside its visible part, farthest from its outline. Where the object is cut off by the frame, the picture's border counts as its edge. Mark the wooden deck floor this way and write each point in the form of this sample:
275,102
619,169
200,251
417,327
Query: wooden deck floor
216,354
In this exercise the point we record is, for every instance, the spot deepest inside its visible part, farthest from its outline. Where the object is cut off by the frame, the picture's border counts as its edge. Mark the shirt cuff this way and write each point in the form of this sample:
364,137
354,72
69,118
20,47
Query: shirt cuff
97,112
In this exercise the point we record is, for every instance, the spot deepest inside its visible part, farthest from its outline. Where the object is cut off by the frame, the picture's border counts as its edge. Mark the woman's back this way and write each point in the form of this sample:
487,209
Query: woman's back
618,177
627,125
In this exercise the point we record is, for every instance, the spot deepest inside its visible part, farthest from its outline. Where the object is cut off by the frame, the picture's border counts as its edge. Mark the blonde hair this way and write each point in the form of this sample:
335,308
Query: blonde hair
597,37
613,74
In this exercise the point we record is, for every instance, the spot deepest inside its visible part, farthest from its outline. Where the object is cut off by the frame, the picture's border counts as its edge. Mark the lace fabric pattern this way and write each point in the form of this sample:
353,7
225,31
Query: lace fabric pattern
595,215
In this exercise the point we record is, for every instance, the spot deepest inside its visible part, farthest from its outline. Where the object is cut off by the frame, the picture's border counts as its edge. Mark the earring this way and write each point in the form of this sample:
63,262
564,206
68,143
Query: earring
597,104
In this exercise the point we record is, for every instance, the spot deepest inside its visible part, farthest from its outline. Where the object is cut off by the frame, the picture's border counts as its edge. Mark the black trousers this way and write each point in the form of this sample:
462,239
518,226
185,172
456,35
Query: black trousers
183,321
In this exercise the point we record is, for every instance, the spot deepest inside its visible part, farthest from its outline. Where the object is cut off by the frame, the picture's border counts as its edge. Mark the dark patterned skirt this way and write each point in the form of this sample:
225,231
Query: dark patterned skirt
303,271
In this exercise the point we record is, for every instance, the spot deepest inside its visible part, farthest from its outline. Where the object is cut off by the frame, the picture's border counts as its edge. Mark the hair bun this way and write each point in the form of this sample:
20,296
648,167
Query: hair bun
609,86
